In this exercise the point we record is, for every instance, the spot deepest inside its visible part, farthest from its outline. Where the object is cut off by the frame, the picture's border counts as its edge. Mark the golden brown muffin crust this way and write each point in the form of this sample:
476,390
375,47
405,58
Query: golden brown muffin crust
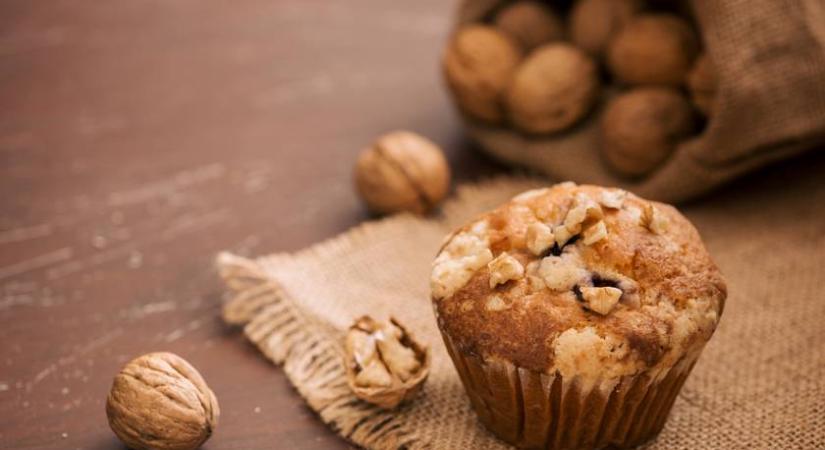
631,288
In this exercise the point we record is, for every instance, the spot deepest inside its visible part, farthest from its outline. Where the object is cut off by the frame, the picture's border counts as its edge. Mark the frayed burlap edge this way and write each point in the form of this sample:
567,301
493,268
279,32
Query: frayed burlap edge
310,353
309,349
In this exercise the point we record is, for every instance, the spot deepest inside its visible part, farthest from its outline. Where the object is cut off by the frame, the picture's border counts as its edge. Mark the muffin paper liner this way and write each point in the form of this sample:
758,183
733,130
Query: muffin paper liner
532,409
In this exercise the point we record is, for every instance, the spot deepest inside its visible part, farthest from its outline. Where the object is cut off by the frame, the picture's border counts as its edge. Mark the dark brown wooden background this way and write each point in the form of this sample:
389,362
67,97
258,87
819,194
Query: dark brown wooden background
140,137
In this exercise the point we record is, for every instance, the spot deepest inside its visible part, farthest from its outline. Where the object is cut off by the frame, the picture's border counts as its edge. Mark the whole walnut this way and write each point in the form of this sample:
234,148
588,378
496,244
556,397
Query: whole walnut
555,87
656,49
159,401
702,83
594,22
402,171
641,128
478,64
530,23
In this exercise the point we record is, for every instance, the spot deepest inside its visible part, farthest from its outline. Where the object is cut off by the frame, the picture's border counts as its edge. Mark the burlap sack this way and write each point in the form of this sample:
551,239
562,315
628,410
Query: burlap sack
770,58
760,382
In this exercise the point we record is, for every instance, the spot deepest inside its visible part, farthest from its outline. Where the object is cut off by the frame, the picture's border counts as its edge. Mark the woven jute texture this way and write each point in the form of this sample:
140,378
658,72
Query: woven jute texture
770,59
760,382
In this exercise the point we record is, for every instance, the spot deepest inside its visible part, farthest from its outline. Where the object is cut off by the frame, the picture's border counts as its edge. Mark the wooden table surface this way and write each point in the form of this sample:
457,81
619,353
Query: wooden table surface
140,137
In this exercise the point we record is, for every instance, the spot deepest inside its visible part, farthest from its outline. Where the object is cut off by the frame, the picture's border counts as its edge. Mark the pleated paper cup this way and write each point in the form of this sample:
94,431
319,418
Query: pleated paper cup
532,409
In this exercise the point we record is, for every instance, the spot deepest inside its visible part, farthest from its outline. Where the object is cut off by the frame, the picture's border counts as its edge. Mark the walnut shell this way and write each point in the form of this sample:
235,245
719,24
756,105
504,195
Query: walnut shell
702,84
478,64
159,401
656,49
641,128
594,22
402,171
554,88
385,364
530,23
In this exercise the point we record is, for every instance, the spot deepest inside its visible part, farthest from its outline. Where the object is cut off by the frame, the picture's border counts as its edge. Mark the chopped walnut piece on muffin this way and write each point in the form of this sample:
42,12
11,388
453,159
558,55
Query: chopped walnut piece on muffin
539,238
562,273
595,233
462,256
654,220
601,299
612,198
503,269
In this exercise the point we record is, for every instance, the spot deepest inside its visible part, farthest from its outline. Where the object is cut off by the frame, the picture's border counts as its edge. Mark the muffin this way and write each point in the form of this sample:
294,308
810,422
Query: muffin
574,314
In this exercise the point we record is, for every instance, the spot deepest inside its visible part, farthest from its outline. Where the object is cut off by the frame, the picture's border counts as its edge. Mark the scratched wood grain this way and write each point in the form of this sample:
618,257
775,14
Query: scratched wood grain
139,138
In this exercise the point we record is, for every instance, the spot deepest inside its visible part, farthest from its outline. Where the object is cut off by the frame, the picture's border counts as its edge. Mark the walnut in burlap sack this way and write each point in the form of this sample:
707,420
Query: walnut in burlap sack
760,382
770,60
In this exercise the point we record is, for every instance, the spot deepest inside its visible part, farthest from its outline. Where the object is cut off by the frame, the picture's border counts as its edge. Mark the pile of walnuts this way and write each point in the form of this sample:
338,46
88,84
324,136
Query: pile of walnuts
526,68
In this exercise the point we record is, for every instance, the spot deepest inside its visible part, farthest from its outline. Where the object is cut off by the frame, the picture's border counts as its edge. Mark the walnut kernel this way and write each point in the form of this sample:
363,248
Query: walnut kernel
601,299
654,220
561,273
495,303
613,199
461,257
584,209
385,364
539,238
503,269
562,234
594,233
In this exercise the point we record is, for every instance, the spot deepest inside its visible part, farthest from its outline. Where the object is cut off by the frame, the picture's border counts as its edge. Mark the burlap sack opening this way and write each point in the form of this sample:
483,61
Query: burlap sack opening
758,383
770,58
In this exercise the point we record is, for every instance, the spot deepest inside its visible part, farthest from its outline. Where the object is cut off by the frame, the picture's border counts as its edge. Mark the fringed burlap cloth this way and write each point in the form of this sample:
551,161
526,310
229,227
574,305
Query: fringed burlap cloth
759,384
770,59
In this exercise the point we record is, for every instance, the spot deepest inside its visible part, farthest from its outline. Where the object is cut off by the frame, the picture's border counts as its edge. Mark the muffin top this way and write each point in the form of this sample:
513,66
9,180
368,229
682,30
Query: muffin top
581,280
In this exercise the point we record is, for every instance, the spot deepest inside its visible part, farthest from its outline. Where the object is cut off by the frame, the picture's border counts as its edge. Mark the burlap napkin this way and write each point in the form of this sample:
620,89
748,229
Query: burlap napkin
770,61
760,383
